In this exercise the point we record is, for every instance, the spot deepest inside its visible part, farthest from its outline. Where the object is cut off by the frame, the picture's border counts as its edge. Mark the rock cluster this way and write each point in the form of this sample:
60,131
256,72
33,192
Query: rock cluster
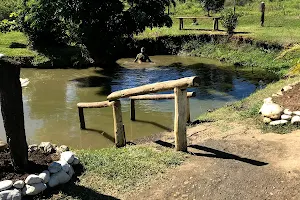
273,114
59,172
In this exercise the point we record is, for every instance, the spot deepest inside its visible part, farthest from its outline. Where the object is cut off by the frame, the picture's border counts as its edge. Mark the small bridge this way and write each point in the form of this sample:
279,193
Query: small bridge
182,110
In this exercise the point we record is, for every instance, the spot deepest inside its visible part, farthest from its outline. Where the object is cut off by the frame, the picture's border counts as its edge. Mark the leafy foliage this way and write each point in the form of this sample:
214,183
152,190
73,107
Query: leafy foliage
212,5
229,20
7,7
101,27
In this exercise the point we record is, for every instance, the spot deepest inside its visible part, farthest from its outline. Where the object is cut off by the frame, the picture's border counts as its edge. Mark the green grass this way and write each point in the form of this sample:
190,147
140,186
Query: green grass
248,109
8,38
126,168
282,22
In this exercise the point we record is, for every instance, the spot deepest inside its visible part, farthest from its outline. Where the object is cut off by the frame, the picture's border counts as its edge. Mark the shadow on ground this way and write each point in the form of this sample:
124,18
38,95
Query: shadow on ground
214,153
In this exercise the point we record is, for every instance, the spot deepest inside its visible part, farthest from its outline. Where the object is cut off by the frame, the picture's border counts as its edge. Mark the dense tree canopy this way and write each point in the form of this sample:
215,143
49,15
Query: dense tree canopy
98,26
212,5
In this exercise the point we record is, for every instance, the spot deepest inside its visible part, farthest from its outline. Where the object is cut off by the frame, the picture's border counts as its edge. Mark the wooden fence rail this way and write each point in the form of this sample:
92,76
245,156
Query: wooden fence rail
181,106
119,130
157,97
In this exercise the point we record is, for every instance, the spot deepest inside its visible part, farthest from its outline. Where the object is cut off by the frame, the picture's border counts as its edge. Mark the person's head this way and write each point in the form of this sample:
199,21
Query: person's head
143,50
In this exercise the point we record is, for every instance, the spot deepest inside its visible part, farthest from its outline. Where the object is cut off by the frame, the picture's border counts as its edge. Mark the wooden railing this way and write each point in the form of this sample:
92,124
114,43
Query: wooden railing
181,106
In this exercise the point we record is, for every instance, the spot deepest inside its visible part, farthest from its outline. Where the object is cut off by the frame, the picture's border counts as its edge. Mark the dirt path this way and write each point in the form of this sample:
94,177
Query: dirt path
231,162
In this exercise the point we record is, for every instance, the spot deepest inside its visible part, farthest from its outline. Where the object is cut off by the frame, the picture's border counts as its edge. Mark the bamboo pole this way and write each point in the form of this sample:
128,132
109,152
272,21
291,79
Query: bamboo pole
132,109
81,117
95,104
180,119
159,96
156,87
119,130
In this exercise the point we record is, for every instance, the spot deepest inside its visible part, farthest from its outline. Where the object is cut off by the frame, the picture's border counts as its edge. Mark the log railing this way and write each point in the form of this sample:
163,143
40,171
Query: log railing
181,106
158,97
119,130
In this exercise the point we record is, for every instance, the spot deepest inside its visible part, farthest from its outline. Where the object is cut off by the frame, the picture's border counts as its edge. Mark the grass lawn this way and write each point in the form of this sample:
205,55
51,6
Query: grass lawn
282,23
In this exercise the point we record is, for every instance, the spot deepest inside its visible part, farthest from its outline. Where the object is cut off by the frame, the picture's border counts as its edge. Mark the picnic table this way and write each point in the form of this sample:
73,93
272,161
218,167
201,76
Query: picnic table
215,19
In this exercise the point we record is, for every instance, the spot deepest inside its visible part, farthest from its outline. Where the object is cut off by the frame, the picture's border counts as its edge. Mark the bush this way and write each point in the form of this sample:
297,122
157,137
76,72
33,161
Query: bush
7,7
212,5
229,20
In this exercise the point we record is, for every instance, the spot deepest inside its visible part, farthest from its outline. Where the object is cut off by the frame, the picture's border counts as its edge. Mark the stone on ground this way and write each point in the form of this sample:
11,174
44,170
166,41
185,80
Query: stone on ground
65,166
67,156
33,179
287,112
4,185
54,167
62,148
296,113
286,117
19,184
11,195
296,120
34,189
266,120
271,110
278,122
46,147
32,147
45,176
58,178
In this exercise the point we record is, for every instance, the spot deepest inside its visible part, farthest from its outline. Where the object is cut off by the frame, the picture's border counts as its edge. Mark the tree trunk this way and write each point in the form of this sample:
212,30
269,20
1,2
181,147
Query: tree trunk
13,114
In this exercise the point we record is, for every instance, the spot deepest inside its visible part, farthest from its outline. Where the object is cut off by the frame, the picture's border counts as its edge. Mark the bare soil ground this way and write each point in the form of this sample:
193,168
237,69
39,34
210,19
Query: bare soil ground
38,161
230,161
290,98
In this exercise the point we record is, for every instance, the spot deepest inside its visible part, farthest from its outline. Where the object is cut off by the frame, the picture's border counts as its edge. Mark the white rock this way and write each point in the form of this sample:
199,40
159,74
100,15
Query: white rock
278,122
71,172
46,147
33,179
275,95
4,185
286,117
19,184
58,178
11,195
34,189
287,112
296,113
62,148
295,120
53,181
63,177
65,166
266,120
45,176
24,82
286,88
279,93
67,156
54,167
270,109
75,161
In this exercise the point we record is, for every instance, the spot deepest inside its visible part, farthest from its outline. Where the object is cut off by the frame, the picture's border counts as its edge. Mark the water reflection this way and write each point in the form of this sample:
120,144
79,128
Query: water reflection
51,97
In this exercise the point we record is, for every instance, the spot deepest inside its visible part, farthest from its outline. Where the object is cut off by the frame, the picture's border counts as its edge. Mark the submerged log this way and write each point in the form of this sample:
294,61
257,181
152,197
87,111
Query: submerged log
156,87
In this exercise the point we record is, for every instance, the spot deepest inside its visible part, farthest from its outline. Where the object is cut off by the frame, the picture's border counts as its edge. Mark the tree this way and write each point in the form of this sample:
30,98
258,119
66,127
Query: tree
212,5
13,114
101,27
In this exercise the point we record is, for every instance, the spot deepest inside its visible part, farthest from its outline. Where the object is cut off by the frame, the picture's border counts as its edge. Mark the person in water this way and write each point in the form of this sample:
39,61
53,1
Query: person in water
142,57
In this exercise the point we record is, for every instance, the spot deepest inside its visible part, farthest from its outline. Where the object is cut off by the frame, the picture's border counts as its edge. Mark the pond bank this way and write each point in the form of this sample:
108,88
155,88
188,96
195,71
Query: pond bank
242,52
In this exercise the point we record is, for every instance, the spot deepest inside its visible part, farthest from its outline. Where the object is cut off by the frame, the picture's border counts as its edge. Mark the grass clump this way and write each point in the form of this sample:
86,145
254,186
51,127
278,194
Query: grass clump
125,168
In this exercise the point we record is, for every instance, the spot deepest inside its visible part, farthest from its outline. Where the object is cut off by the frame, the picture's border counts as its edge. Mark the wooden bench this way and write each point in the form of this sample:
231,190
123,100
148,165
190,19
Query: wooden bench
215,19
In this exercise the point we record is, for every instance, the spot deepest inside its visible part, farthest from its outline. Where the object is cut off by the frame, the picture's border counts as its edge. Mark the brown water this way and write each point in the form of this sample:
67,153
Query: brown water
51,97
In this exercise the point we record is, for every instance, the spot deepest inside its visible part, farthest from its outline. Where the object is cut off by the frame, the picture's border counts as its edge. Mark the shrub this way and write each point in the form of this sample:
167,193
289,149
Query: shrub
229,20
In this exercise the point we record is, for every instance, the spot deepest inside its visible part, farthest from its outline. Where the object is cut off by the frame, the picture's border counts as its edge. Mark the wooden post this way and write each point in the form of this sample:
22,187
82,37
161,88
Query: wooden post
262,10
132,109
188,112
81,118
13,112
119,131
180,119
